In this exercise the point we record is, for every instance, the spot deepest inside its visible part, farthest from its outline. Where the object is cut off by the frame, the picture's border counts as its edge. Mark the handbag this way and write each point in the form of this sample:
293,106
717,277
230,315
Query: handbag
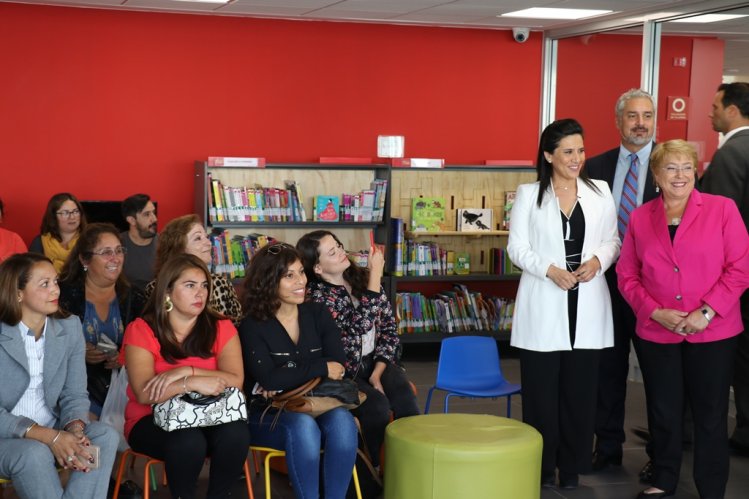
113,411
318,396
193,410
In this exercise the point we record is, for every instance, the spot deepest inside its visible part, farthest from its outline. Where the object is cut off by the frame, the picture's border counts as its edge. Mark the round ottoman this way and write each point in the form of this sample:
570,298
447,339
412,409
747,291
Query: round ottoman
437,456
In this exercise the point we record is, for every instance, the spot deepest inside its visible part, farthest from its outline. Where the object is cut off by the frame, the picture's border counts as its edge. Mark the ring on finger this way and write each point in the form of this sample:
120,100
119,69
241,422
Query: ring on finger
70,459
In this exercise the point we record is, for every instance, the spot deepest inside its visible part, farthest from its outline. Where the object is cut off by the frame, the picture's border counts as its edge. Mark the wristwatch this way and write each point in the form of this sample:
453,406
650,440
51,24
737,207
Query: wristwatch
707,315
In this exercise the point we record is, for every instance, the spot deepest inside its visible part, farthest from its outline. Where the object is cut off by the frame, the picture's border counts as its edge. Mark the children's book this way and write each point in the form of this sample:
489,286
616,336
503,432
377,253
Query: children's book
428,214
326,208
474,219
509,200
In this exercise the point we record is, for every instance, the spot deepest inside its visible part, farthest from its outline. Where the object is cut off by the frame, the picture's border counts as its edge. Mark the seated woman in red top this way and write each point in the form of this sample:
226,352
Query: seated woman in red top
180,345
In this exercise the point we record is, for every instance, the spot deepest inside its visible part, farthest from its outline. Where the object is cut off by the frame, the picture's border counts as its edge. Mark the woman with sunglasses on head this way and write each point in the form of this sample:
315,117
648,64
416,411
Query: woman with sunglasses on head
181,345
43,403
186,234
285,343
93,287
62,223
368,330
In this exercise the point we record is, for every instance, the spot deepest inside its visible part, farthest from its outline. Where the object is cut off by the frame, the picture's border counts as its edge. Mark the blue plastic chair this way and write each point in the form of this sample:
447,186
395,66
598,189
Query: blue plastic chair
468,366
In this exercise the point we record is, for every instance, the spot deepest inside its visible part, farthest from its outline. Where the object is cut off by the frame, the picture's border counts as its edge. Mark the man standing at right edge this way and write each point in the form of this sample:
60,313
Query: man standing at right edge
728,175
625,169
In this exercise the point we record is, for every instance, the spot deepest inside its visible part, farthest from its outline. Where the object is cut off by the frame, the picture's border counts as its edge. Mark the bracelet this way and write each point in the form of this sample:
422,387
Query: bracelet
54,440
28,429
707,315
184,384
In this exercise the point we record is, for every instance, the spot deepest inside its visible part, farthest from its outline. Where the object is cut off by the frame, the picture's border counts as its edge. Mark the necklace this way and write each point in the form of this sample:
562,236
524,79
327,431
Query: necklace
676,221
566,188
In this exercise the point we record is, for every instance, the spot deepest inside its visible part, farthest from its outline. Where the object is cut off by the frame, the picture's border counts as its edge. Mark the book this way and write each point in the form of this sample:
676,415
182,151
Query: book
417,162
474,219
227,162
428,214
462,263
509,200
326,208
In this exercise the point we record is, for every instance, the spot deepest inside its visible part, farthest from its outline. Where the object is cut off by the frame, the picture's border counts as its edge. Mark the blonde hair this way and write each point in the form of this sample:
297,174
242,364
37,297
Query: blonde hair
676,147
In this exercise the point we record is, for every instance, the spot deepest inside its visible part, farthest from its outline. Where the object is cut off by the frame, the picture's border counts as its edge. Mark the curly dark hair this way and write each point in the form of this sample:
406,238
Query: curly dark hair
308,244
264,272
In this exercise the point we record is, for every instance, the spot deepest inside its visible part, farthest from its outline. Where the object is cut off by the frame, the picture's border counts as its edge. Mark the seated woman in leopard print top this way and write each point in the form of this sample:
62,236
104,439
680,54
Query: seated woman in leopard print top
186,234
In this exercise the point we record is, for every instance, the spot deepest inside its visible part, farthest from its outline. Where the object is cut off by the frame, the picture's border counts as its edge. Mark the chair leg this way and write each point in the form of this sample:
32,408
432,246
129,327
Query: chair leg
356,483
429,400
250,494
146,480
509,406
447,400
120,470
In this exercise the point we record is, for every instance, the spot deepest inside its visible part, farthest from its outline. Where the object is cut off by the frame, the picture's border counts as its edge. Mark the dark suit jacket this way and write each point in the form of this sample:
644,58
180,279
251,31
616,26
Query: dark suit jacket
728,174
603,167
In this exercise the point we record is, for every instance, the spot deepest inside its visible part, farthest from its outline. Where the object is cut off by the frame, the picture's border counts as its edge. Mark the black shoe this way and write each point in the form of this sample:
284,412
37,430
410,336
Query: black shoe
646,473
568,480
548,479
602,461
654,495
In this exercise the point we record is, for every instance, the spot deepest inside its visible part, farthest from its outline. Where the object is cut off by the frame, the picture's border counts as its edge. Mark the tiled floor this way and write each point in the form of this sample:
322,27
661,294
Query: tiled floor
615,483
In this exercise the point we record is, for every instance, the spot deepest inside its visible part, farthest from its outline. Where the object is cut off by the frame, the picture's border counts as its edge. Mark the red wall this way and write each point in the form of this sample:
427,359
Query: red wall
107,103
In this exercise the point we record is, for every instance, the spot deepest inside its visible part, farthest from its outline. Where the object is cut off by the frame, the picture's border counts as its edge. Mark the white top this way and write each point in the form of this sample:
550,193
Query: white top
31,404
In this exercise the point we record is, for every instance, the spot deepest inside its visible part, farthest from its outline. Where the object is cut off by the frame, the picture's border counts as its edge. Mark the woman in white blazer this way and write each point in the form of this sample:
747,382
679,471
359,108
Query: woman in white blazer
563,235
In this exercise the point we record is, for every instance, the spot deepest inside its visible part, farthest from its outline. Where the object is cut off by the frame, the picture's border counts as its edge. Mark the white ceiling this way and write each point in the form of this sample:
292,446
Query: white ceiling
455,13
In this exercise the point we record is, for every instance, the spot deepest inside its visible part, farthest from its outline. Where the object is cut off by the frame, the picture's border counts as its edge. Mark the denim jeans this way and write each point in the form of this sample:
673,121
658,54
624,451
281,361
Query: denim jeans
302,437
31,466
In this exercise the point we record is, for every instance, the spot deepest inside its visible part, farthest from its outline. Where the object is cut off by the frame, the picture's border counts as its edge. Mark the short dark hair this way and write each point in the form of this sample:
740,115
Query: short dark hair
134,205
200,341
550,138
15,273
264,274
49,220
736,94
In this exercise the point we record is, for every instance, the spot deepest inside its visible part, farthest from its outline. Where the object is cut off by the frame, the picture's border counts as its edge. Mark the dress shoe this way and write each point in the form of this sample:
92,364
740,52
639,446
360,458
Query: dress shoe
548,479
568,480
602,461
646,473
654,495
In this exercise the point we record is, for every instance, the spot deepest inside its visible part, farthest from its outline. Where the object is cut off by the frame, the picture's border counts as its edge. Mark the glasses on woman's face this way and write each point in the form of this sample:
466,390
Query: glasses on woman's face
110,252
276,248
68,213
684,170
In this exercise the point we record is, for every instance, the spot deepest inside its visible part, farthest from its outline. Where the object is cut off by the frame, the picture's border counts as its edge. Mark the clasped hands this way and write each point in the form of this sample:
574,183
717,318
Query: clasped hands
567,280
681,323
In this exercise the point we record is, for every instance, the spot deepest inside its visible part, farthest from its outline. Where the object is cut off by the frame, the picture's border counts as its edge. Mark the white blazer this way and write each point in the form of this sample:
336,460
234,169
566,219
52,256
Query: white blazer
540,321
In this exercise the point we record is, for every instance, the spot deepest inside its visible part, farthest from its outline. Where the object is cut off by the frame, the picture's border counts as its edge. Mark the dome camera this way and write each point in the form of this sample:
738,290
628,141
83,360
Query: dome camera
520,34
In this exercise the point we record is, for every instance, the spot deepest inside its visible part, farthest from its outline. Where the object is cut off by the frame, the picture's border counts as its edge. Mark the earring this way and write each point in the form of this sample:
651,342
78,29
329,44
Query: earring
168,305
85,268
657,188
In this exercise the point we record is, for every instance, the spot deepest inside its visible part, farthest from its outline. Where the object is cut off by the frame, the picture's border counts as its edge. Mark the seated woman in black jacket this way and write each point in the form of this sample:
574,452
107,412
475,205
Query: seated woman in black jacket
285,343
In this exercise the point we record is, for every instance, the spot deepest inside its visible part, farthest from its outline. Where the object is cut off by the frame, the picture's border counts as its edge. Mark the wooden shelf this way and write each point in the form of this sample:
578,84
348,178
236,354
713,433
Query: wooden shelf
437,337
478,233
291,225
479,276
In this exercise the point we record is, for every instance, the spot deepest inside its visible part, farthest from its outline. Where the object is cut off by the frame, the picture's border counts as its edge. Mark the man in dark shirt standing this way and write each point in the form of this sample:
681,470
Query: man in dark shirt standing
728,175
625,164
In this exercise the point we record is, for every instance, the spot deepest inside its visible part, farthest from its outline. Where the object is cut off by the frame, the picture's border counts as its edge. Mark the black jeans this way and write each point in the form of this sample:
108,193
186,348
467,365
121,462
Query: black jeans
374,413
184,453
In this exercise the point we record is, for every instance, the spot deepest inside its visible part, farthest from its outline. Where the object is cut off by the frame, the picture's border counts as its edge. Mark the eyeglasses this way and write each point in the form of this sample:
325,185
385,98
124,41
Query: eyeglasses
110,252
672,170
68,213
277,248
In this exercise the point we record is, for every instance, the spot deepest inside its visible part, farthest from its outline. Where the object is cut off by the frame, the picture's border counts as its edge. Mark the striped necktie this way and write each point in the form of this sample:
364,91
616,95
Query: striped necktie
629,195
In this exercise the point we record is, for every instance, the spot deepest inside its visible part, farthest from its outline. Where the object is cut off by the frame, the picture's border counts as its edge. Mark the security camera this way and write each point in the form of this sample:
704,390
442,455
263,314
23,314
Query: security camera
520,34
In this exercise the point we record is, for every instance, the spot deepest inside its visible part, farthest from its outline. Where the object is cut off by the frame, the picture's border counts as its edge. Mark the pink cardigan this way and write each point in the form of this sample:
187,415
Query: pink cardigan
707,262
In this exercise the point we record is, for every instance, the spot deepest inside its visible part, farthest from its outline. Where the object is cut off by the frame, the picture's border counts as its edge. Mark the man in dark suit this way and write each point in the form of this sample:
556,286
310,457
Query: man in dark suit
635,119
728,175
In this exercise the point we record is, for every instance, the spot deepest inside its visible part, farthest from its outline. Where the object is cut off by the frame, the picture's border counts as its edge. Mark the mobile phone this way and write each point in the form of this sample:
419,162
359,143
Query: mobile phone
92,463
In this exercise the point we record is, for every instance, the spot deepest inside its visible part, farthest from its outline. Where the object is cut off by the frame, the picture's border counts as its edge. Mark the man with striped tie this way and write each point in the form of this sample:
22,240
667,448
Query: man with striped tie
625,169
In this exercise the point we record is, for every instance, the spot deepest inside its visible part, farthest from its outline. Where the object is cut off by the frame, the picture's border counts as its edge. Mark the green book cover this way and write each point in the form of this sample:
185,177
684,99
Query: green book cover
428,214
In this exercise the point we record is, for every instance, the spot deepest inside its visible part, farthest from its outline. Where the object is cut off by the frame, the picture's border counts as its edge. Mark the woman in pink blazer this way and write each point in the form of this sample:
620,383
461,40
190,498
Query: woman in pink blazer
684,264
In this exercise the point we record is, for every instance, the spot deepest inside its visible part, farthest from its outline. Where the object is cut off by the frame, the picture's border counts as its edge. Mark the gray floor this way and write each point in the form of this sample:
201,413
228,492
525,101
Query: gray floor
615,483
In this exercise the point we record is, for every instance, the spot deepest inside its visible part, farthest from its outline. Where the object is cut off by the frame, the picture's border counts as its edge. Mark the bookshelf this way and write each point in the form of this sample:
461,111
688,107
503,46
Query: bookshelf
314,179
461,187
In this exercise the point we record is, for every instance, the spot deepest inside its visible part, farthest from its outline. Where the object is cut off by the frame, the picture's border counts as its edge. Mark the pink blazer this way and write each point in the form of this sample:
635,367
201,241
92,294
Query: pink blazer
708,262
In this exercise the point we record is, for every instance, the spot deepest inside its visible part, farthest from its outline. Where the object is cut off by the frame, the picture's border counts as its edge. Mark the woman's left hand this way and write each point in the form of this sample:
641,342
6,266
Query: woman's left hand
695,322
156,386
588,270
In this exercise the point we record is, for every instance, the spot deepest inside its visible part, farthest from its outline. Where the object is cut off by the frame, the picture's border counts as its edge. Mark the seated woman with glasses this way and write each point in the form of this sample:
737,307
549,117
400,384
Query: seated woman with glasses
362,311
43,404
285,343
93,287
186,234
62,223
